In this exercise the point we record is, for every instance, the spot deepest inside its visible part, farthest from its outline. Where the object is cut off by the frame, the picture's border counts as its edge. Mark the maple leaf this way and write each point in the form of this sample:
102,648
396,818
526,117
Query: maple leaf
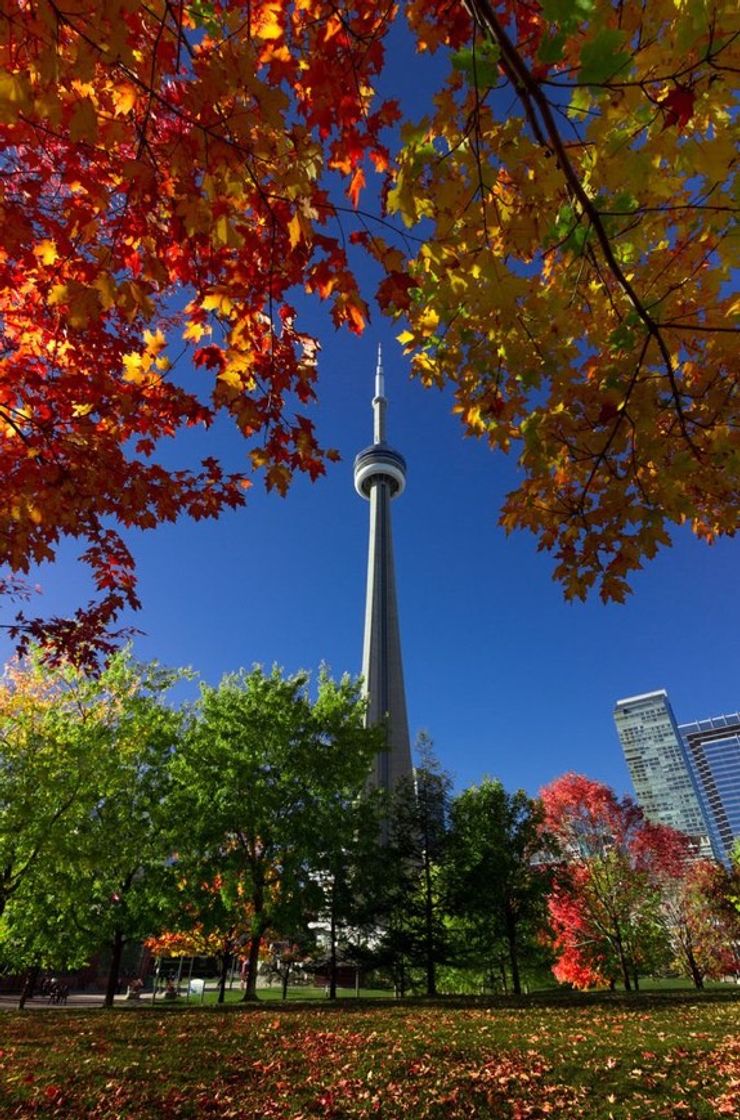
212,357
550,259
46,251
356,184
678,107
393,291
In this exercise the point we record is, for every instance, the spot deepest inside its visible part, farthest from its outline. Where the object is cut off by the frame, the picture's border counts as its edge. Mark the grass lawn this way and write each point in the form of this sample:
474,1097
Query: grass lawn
674,1055
274,994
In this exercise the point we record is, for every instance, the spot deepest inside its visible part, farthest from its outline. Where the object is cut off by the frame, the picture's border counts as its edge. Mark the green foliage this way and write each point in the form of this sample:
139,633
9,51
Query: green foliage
94,867
414,938
567,13
495,887
265,778
602,59
479,64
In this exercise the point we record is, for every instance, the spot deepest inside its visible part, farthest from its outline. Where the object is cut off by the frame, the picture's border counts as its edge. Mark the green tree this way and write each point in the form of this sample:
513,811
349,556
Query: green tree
265,776
495,883
119,877
101,880
351,869
410,904
46,733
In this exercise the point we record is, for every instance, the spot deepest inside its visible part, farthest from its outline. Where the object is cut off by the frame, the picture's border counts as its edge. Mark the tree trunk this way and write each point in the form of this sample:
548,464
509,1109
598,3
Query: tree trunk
115,967
402,979
333,947
696,975
513,954
636,979
225,962
29,984
623,961
285,978
429,928
250,992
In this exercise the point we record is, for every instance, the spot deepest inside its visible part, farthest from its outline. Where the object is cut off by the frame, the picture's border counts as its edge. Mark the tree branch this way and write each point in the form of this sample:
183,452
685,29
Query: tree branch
533,99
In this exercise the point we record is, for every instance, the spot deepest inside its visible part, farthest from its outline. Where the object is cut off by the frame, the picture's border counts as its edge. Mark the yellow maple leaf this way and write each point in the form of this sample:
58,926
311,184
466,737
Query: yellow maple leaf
46,251
83,124
106,288
231,377
154,341
136,367
13,96
194,331
124,98
217,301
428,321
270,27
299,229
57,294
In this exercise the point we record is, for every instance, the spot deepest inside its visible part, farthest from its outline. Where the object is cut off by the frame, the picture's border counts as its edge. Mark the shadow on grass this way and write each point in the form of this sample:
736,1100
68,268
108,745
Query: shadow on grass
552,998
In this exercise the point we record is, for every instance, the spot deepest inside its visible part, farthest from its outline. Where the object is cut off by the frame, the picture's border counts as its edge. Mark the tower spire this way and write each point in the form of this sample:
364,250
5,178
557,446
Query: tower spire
380,404
380,476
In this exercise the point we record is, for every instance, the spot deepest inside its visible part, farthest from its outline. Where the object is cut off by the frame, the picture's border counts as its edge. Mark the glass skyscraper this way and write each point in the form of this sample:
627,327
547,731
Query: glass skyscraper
666,786
713,747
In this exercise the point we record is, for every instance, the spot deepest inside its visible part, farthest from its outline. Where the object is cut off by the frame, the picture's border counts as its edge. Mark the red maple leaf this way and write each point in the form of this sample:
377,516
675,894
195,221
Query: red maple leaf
212,357
393,291
678,107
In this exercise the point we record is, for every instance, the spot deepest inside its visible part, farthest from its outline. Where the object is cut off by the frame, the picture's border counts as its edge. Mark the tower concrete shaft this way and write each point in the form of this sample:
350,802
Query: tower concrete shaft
380,476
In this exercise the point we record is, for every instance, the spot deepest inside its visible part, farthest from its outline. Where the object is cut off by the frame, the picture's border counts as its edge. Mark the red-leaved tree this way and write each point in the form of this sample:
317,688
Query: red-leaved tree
703,930
606,903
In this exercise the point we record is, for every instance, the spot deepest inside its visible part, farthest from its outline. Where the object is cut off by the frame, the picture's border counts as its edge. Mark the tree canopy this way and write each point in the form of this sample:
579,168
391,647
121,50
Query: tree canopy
85,829
495,880
242,827
552,238
263,775
628,895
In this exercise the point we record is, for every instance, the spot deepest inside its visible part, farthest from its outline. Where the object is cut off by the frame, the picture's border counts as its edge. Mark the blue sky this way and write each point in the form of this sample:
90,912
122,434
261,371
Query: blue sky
507,678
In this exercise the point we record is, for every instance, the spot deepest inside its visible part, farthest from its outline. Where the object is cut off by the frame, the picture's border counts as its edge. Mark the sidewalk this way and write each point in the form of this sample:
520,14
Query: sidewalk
75,1000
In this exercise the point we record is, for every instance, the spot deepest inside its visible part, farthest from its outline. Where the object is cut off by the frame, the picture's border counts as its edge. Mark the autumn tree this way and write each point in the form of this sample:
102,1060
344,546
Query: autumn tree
172,172
152,152
574,287
605,904
286,958
207,918
702,928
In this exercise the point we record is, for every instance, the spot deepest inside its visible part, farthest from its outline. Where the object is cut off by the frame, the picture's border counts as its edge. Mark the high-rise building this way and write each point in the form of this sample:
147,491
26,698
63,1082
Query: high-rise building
713,747
380,476
666,787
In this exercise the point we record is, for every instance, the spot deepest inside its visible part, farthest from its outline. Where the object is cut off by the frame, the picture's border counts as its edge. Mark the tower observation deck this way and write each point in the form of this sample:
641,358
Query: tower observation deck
380,476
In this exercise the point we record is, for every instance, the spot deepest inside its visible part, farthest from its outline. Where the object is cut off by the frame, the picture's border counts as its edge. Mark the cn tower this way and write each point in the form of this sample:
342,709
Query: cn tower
380,476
